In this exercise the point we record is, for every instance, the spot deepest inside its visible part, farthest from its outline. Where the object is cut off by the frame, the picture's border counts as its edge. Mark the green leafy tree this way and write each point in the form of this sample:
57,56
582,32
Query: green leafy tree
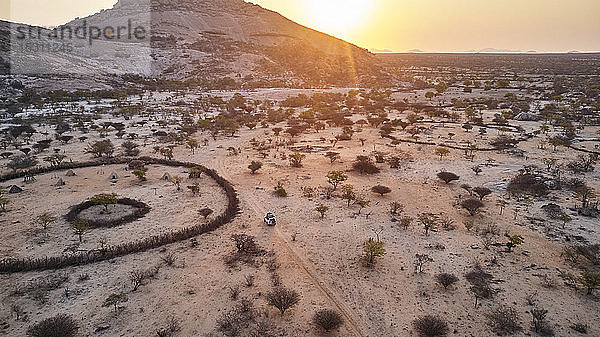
428,220
176,181
192,144
105,199
442,152
113,300
296,159
336,177
590,281
140,174
46,219
80,227
514,241
348,193
371,250
322,209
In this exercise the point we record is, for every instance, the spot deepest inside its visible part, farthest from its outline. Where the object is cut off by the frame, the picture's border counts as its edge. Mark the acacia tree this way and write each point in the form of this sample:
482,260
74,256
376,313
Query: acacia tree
482,192
322,209
381,190
255,166
205,212
336,177
442,152
101,148
80,228
46,219
114,300
472,206
105,199
372,249
447,177
428,220
176,181
348,194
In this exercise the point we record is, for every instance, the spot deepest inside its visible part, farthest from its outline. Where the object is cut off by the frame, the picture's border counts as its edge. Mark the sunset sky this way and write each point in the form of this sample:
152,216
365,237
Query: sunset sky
401,25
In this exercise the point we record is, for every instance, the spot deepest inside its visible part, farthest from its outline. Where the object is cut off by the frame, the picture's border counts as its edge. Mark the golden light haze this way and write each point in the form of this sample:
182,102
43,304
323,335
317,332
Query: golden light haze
461,25
401,25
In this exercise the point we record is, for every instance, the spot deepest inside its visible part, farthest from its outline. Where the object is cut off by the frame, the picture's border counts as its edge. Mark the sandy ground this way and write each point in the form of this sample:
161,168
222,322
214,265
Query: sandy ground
323,261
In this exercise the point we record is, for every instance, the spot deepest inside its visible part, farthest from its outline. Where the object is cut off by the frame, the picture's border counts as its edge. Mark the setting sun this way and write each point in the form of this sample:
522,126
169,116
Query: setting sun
338,16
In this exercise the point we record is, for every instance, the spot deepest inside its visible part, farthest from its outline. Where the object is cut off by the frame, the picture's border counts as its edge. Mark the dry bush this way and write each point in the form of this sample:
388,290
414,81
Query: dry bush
169,258
244,243
365,165
503,142
327,319
431,326
138,277
446,279
57,326
173,326
234,322
504,320
283,299
539,323
381,190
528,184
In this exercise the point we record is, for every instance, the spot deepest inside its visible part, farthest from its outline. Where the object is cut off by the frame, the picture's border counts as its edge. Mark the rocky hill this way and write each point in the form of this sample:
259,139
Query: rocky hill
192,39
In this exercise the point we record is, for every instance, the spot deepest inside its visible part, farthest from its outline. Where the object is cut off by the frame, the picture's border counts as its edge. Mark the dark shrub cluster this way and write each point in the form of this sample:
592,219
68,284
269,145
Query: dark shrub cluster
529,184
365,165
57,326
327,319
431,326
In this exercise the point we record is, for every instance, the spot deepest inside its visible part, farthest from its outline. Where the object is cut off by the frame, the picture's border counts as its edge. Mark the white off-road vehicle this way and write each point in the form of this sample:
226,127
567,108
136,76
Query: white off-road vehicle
270,219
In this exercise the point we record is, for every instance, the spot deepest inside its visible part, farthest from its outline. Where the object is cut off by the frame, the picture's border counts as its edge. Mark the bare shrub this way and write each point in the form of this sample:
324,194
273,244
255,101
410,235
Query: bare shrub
138,277
430,326
327,319
249,280
58,326
244,243
539,323
504,320
169,258
172,327
283,299
234,292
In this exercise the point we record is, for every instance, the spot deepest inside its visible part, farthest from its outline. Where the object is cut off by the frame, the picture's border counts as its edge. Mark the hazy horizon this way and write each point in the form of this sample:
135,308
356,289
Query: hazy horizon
400,26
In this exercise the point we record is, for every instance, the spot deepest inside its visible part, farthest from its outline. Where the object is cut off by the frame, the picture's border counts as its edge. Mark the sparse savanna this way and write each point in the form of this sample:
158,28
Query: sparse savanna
265,179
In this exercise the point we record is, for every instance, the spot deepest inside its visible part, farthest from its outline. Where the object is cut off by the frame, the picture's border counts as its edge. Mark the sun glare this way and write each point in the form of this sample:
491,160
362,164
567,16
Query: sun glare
338,17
